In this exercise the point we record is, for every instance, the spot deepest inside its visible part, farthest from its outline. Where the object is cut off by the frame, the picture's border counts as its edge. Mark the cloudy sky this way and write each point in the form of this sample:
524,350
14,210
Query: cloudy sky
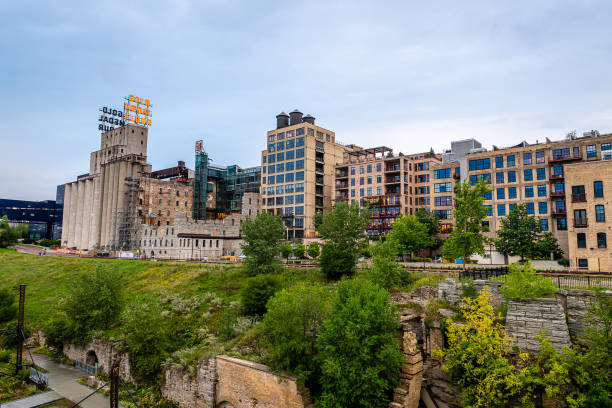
405,74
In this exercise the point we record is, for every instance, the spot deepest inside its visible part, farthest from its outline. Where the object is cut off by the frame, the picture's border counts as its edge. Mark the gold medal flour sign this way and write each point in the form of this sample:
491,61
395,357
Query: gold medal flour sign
137,110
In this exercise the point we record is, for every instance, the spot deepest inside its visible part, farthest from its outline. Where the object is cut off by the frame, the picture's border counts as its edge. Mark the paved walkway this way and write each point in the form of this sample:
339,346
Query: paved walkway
62,379
33,401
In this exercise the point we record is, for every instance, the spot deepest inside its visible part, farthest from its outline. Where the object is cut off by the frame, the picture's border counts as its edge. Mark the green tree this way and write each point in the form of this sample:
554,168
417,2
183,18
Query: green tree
300,251
94,302
409,235
385,271
286,251
432,222
518,233
290,327
314,250
524,283
261,242
343,229
477,356
8,306
257,292
547,245
358,347
8,234
145,333
467,238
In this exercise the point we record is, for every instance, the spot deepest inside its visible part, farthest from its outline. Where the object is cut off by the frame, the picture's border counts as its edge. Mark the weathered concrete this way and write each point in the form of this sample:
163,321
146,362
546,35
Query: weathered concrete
192,391
452,290
33,401
576,303
105,352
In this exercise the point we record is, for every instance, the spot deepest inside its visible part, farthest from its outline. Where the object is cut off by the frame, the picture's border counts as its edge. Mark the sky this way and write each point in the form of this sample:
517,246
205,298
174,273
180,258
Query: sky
404,74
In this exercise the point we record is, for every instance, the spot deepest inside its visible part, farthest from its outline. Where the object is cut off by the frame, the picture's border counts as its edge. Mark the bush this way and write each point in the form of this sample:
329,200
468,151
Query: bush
358,347
563,262
50,243
385,272
419,259
314,250
257,292
336,261
300,251
5,356
8,307
261,242
286,250
523,283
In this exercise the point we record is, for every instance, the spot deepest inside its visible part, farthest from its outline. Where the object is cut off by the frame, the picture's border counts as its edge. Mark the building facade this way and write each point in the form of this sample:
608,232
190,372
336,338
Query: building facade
43,218
297,171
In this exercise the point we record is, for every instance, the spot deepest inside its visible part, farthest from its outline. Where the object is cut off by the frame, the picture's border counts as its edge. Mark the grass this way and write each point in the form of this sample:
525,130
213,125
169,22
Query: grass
12,388
62,403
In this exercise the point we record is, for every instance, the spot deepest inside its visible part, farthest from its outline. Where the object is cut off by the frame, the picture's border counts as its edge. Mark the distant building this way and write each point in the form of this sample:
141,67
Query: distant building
41,217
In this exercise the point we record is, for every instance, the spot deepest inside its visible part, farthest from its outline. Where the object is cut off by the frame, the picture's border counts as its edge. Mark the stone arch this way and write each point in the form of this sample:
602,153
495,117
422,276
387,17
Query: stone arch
91,358
225,404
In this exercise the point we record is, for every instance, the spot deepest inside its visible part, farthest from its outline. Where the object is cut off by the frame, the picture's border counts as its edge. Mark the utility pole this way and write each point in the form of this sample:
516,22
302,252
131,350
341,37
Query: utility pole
114,384
20,339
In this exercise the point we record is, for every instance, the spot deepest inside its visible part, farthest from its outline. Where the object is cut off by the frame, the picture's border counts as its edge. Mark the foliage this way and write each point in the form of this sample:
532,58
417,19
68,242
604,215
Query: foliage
8,234
385,271
476,357
50,243
257,292
145,331
300,251
547,245
358,347
524,283
563,262
8,306
261,242
342,228
432,222
286,250
290,328
314,250
466,237
409,235
467,289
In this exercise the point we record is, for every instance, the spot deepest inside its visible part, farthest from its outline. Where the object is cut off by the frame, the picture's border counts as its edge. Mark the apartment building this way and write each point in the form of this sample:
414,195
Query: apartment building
389,185
535,175
589,220
297,171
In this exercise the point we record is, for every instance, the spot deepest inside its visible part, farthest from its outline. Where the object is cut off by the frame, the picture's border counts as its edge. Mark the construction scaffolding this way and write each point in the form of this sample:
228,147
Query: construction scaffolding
200,185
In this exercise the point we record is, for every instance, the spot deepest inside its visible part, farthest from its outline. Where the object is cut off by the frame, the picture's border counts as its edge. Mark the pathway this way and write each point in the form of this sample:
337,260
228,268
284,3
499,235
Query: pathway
33,401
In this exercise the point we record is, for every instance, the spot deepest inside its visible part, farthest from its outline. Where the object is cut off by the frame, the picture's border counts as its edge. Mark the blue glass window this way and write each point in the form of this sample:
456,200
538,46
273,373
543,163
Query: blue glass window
299,175
490,211
280,156
289,166
501,194
528,191
511,177
271,168
299,222
299,132
378,166
299,186
280,167
510,162
271,180
280,178
369,168
598,189
280,189
488,196
526,158
480,164
289,177
541,173
600,214
530,208
289,144
299,210
562,224
299,153
511,192
499,178
442,173
499,162
271,158
511,207
280,146
542,190
289,154
528,175
299,164
544,224
591,151
299,141
501,209
289,187
606,146
299,198
543,207
353,193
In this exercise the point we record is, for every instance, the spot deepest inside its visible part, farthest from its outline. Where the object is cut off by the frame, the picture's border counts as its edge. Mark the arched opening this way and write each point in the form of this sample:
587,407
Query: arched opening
91,358
225,404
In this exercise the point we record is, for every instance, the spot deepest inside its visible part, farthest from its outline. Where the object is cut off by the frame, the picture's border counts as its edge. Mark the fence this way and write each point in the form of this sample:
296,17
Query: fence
38,377
88,368
567,281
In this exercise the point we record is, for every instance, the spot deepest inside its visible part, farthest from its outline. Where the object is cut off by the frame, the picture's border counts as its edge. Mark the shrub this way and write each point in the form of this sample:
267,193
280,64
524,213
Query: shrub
523,283
314,250
5,356
385,272
336,261
300,251
50,243
563,262
8,306
358,347
257,292
286,250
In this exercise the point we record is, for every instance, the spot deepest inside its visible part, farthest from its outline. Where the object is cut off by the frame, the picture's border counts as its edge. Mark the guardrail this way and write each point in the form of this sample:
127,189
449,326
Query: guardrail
38,377
88,368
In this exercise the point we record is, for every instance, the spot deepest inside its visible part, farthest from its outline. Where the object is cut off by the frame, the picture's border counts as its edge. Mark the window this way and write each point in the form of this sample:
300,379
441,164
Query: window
280,189
279,200
543,207
271,180
352,193
511,192
271,148
280,178
510,162
299,222
289,177
270,190
528,191
540,158
290,154
361,192
583,263
542,190
480,164
442,187
299,187
606,146
558,171
600,214
475,178
526,158
601,240
280,156
528,175
352,182
280,146
289,188
299,175
289,200
369,179
299,164
290,166
581,240
443,201
378,166
544,224
578,194
561,153
511,177
591,151
361,181
499,162
378,190
541,173
290,144
499,178
299,132
299,141
369,168
299,210
501,193
488,195
501,209
369,191
379,179
442,173
280,167
598,189
271,158
530,208
580,219
299,153
299,198
562,224
271,169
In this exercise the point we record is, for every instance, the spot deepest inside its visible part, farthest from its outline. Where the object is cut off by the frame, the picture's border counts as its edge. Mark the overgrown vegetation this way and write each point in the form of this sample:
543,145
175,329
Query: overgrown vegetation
524,283
261,242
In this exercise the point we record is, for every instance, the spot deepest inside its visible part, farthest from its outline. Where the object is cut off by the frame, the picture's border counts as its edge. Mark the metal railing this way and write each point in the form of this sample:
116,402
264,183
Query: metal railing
561,280
88,368
38,377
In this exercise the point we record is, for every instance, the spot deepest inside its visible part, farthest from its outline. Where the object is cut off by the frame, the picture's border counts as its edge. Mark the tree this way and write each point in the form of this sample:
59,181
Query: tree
343,229
358,347
291,326
286,251
257,292
477,356
467,238
409,235
430,220
300,251
261,242
314,250
8,234
385,271
546,246
518,233
8,307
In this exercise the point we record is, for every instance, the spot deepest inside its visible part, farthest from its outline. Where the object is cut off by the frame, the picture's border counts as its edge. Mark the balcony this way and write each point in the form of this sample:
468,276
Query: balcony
342,197
580,223
558,211
392,180
579,198
565,157
393,168
341,186
559,194
556,177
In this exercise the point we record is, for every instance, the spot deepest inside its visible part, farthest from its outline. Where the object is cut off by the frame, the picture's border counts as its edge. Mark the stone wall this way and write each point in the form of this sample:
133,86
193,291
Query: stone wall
526,319
105,352
576,303
191,391
451,290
